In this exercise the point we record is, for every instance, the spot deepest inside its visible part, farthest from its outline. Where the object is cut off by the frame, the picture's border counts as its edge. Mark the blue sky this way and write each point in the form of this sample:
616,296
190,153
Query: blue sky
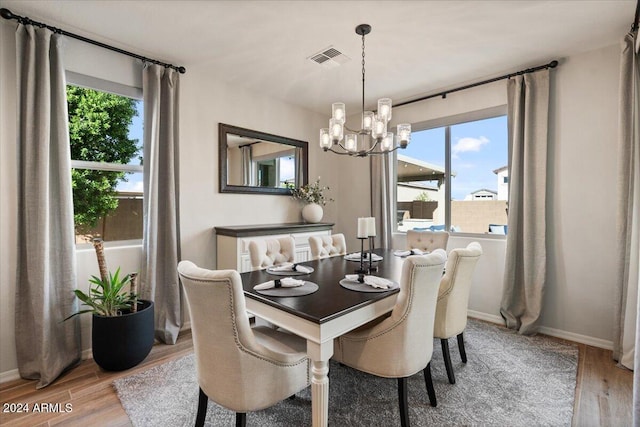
134,180
477,149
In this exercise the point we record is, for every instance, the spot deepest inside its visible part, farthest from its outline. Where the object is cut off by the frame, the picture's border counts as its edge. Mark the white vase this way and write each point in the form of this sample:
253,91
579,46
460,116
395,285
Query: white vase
312,213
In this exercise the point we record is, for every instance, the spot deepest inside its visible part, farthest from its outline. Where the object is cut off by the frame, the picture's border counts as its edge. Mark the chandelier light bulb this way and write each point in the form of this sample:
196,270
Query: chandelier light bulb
387,142
404,134
367,120
350,142
338,112
325,138
379,128
384,109
336,130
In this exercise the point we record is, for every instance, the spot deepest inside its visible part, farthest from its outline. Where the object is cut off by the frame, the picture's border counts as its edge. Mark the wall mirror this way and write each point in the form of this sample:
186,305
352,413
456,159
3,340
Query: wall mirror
258,162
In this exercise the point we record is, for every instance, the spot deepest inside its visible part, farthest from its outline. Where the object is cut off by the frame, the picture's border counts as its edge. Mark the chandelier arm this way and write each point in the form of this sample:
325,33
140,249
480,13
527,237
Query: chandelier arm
338,152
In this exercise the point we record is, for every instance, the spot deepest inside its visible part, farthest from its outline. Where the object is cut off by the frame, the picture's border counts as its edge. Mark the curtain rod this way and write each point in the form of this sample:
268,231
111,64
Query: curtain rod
7,14
443,94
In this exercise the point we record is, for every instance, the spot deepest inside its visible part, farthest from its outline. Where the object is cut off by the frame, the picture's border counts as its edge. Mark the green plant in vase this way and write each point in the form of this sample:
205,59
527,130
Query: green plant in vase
122,328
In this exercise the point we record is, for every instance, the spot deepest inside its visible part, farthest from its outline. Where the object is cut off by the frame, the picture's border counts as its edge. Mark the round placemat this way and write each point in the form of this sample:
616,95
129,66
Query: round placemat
289,272
354,257
297,291
354,285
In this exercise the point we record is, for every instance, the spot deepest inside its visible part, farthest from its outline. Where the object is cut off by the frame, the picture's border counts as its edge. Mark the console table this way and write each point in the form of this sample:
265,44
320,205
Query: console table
232,242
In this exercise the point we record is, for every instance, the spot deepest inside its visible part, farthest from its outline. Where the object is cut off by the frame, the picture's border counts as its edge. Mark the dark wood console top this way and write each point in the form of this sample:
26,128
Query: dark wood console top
266,229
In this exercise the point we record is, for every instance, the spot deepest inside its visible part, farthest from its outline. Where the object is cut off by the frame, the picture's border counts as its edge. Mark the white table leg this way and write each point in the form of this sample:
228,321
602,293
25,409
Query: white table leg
320,355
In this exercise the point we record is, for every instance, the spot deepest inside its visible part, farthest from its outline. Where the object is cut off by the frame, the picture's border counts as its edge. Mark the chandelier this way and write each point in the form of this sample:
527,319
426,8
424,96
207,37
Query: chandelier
373,137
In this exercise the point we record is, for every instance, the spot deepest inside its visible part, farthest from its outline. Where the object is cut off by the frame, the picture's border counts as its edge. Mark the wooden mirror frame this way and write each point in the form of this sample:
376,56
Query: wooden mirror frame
224,129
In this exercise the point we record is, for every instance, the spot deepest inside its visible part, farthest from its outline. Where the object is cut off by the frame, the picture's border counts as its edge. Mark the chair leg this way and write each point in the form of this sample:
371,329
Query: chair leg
203,400
447,360
241,419
402,400
463,353
429,382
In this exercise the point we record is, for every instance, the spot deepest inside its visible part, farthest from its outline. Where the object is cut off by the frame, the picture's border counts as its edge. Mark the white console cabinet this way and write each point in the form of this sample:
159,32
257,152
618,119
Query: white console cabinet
232,243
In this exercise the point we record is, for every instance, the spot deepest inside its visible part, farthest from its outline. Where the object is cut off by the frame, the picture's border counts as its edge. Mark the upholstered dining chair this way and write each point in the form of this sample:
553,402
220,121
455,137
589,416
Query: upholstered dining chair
426,240
240,368
453,300
400,345
267,252
327,246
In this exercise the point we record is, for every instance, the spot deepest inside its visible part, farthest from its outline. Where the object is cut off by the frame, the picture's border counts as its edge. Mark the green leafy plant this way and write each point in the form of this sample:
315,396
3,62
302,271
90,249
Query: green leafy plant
106,298
108,294
311,193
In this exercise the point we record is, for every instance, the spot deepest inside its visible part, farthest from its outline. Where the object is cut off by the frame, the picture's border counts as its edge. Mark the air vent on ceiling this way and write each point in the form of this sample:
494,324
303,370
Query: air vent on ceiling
329,57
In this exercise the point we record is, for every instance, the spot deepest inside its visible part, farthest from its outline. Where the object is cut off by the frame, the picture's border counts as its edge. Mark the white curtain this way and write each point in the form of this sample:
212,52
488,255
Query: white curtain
626,336
247,157
383,198
525,265
300,161
161,238
45,344
628,206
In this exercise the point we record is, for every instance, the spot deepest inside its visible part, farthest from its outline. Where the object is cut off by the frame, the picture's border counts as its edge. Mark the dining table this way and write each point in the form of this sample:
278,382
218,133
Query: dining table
329,312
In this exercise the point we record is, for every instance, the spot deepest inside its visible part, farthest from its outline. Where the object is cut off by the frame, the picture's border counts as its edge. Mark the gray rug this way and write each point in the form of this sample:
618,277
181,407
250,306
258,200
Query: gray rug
509,380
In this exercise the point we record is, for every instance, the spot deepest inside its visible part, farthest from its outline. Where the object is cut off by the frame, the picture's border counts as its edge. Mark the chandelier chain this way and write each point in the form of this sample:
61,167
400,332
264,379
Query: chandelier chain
363,71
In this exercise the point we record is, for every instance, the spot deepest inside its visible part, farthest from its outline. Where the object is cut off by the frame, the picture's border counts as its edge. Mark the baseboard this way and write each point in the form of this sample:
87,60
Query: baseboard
14,374
485,316
9,376
558,333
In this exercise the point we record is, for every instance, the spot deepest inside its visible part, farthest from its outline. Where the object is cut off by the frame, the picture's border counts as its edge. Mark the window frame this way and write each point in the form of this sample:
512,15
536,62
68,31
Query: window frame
446,123
95,83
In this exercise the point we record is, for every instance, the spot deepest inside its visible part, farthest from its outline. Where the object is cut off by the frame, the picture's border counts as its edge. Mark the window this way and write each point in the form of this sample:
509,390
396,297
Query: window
454,176
105,132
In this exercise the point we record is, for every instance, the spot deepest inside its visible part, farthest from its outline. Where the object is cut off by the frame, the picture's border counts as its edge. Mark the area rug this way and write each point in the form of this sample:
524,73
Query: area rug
509,379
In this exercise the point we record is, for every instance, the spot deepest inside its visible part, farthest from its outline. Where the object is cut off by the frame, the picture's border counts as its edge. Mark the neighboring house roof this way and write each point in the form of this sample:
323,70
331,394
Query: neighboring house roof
484,190
419,185
497,171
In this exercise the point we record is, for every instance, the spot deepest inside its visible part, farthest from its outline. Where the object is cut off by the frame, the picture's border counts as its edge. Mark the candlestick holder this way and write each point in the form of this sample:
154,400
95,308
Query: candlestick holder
361,271
372,245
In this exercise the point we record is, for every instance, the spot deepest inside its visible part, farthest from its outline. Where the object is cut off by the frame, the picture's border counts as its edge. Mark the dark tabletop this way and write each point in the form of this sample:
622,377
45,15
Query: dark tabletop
331,300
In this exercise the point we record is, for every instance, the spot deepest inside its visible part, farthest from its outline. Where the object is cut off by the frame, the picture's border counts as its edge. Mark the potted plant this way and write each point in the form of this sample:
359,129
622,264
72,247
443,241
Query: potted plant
122,325
312,195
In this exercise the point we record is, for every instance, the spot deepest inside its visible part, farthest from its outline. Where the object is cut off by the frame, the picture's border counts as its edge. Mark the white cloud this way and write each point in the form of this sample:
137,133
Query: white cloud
468,144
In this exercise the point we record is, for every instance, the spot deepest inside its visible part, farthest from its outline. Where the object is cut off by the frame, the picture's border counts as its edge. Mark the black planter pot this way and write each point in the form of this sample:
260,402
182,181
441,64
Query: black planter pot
121,342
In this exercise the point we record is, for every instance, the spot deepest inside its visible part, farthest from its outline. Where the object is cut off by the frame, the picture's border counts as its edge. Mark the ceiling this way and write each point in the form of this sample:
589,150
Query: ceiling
415,47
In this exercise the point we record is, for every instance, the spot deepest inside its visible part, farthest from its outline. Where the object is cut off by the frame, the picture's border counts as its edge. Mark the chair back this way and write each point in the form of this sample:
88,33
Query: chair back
327,246
427,241
267,252
233,368
401,344
453,298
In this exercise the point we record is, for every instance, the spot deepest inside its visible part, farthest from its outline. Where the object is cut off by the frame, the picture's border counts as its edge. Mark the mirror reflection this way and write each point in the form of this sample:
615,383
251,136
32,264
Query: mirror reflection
252,161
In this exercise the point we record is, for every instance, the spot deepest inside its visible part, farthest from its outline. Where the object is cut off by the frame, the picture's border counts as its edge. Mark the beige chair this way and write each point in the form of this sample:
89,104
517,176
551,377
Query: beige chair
267,252
239,367
453,300
400,345
427,241
327,246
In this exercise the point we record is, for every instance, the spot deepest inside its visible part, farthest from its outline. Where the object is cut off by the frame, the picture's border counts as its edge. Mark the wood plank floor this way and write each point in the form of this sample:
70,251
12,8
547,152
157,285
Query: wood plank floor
603,392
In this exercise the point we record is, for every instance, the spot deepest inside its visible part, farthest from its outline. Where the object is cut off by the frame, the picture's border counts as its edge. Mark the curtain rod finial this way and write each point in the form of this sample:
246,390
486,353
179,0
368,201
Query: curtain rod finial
553,64
6,13
182,70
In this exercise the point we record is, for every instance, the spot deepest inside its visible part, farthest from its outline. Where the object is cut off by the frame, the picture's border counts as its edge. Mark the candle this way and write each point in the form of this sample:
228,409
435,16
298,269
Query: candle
371,227
362,228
